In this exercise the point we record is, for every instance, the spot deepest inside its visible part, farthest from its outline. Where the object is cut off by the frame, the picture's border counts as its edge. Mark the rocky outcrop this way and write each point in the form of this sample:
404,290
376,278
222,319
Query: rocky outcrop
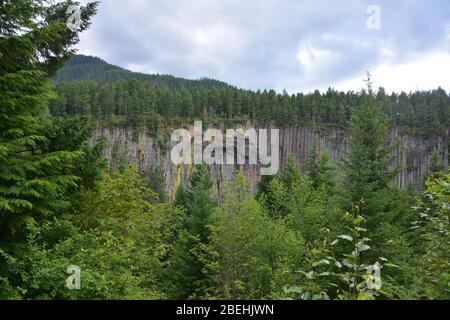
152,154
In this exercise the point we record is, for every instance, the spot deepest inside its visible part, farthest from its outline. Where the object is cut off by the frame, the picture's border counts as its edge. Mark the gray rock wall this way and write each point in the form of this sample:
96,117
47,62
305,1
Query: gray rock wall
149,153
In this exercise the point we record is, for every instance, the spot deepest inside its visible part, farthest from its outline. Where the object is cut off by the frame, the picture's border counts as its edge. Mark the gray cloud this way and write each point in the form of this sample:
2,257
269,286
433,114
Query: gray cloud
298,45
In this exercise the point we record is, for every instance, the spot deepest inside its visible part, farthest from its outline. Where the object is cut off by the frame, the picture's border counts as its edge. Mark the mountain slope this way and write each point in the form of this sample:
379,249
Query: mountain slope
81,68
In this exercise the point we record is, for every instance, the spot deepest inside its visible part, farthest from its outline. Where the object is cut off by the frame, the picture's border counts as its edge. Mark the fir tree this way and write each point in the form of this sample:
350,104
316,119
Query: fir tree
436,163
367,162
34,181
186,264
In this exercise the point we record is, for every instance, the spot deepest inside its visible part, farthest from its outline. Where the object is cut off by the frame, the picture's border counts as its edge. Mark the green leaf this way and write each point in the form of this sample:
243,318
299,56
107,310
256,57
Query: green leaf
345,237
362,246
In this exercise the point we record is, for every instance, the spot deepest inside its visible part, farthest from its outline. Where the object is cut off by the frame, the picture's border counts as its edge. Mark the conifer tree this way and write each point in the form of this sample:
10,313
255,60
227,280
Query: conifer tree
311,165
186,264
436,163
367,162
291,173
368,177
34,42
31,179
320,171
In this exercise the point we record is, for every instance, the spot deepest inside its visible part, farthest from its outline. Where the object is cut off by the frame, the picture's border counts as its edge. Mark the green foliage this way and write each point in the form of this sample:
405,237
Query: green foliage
321,172
72,134
157,184
253,255
434,213
359,282
116,240
34,35
436,163
35,175
36,172
367,162
32,180
340,276
88,85
90,68
274,198
187,264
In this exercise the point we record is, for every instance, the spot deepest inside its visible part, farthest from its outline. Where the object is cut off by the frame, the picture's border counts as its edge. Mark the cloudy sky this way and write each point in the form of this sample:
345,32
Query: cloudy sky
297,45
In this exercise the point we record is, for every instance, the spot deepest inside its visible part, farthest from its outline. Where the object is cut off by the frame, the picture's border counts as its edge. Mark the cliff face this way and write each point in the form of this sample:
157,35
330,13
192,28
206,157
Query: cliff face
152,154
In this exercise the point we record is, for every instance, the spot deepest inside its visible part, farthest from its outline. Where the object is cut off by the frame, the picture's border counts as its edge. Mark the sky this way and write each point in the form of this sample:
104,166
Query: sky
296,45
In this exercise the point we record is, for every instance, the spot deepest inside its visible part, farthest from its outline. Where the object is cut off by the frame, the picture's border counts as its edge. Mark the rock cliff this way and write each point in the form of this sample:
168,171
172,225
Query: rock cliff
152,154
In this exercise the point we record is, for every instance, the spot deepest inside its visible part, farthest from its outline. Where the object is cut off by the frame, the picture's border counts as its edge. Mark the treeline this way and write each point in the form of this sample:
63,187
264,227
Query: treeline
140,103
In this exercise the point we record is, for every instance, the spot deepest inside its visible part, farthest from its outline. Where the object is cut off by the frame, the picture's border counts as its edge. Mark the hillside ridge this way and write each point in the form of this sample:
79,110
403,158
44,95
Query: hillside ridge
85,68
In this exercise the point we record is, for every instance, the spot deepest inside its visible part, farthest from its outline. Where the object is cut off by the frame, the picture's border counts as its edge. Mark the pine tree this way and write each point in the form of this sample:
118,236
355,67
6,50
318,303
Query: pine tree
368,176
291,173
34,43
320,171
367,162
274,193
311,165
31,179
180,198
436,163
73,134
186,264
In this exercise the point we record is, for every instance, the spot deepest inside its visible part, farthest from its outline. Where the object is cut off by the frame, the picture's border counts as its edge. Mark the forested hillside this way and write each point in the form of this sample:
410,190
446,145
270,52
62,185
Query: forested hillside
80,68
153,100
317,231
137,116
